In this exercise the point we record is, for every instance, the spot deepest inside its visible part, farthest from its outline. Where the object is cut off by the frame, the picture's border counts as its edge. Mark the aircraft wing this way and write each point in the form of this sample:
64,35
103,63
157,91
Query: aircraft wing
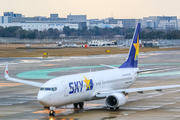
35,84
139,90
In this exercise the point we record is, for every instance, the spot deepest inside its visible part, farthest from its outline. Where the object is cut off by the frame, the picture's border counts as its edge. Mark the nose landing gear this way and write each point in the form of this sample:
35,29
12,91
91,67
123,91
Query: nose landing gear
80,104
51,113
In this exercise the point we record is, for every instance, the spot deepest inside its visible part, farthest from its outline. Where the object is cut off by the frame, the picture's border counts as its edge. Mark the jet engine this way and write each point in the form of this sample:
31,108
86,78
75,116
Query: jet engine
115,100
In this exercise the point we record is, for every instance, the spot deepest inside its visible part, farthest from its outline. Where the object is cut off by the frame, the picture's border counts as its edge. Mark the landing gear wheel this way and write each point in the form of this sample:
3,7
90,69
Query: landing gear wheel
117,108
81,104
111,108
51,113
75,105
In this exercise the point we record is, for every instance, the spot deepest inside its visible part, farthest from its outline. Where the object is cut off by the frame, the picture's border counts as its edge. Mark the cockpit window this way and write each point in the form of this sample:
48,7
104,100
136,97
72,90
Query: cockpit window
54,89
48,89
42,88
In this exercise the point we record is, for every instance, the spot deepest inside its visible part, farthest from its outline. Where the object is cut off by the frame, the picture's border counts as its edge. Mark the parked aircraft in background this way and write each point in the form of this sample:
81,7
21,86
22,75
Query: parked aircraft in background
112,85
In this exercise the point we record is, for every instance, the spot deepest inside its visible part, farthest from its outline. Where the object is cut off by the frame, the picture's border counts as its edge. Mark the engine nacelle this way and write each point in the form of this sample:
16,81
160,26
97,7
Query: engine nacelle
115,100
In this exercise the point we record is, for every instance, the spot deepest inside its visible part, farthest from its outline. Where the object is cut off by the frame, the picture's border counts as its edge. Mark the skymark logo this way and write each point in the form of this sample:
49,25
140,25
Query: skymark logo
136,45
89,84
78,85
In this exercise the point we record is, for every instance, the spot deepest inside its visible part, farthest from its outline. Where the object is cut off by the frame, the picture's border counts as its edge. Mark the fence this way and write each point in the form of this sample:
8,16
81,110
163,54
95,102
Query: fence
29,41
169,43
124,43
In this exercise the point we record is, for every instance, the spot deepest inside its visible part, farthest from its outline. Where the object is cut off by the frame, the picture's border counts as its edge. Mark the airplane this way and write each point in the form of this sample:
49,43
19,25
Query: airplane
113,84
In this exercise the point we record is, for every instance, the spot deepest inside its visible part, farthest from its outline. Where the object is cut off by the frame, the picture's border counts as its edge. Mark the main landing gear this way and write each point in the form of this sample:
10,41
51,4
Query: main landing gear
81,104
51,113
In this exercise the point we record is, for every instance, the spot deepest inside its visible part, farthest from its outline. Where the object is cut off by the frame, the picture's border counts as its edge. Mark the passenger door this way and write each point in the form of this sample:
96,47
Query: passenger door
66,91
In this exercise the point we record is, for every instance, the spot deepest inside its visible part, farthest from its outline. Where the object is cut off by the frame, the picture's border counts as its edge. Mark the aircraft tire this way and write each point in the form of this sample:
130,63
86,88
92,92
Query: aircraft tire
51,113
75,105
81,104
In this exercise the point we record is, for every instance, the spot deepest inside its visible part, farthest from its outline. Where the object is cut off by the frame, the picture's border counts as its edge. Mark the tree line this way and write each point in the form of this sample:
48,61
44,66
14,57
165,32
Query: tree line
146,34
149,34
16,31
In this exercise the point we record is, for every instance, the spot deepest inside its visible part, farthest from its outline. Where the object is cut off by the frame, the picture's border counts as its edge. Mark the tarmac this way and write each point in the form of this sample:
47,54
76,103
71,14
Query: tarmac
19,101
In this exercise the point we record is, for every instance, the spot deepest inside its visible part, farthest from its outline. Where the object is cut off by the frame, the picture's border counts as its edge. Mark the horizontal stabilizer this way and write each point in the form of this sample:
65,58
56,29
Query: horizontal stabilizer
108,66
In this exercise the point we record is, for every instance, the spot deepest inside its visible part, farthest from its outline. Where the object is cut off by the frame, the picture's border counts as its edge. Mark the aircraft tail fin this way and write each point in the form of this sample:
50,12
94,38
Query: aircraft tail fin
132,60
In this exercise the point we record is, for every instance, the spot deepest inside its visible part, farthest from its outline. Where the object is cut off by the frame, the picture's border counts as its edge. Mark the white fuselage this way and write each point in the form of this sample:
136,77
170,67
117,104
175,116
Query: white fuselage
84,86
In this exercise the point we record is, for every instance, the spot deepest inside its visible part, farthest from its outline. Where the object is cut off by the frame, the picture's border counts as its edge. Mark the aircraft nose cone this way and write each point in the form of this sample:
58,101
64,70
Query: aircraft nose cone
43,98
40,97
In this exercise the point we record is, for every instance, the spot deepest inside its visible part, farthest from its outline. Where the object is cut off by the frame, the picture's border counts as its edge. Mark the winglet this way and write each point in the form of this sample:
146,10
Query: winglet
6,74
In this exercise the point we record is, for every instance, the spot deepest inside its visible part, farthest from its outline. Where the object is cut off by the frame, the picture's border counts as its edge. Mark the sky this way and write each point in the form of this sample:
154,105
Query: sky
93,8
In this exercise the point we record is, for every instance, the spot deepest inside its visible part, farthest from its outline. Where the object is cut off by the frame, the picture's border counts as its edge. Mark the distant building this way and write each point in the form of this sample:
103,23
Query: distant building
91,23
40,26
39,19
150,23
42,23
10,14
102,24
77,18
149,20
5,19
165,24
53,15
95,21
178,21
16,15
80,21
127,23
160,22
